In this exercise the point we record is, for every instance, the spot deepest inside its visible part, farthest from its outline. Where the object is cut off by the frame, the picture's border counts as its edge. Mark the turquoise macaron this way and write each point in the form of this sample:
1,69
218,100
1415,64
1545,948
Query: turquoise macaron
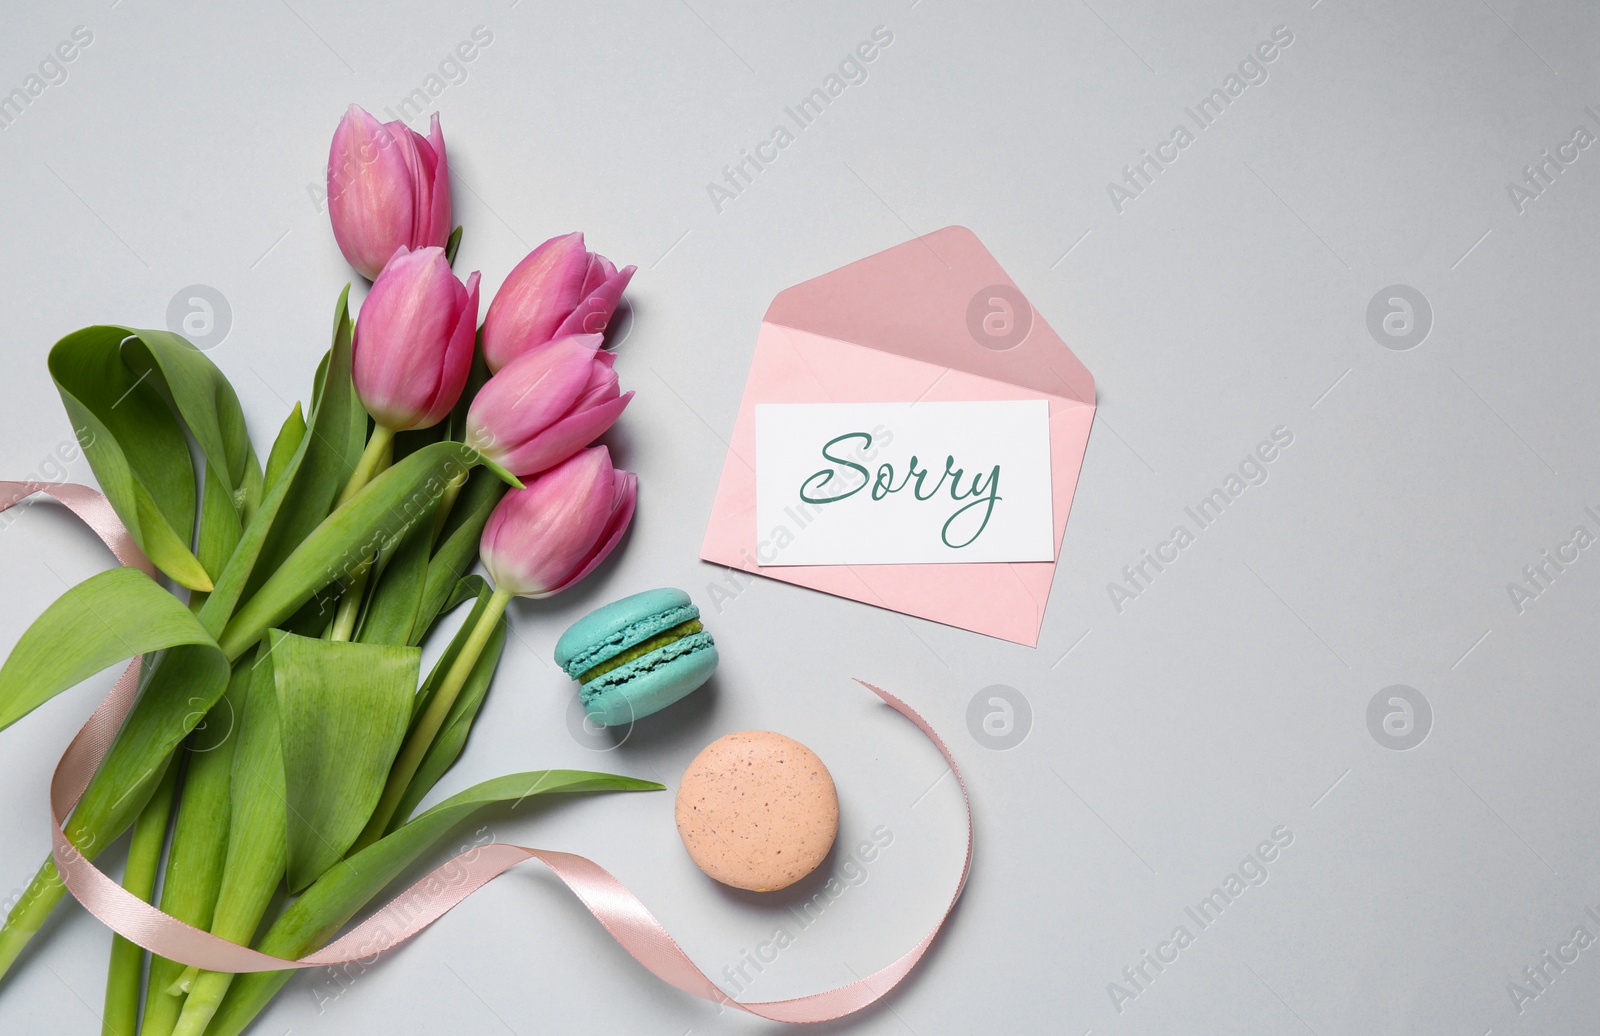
637,655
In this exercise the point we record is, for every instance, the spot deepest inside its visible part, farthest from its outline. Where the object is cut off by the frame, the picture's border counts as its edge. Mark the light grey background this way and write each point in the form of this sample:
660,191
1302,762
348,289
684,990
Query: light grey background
1168,738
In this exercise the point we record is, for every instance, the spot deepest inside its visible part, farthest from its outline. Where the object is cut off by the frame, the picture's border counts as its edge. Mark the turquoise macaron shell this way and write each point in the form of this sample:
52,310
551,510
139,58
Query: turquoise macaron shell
645,684
607,632
650,682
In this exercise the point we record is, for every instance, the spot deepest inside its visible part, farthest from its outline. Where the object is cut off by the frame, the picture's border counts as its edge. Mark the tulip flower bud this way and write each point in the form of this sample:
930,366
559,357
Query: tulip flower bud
542,539
413,340
388,187
559,289
546,405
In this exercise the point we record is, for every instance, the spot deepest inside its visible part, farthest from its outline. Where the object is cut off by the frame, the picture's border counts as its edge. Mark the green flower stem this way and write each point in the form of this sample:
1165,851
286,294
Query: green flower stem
28,916
182,984
90,833
374,459
199,847
121,1017
239,627
180,987
427,727
114,797
344,620
204,999
257,849
337,896
447,503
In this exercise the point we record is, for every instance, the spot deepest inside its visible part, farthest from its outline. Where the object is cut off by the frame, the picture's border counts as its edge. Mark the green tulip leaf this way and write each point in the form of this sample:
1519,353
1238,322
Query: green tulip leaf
199,844
186,683
370,522
310,465
256,813
206,402
452,737
134,444
458,548
105,619
468,588
232,484
219,524
398,579
284,447
422,571
182,687
343,710
130,395
336,897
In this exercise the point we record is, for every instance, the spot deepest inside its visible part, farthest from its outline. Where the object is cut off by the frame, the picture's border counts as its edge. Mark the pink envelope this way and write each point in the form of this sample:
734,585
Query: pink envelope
932,319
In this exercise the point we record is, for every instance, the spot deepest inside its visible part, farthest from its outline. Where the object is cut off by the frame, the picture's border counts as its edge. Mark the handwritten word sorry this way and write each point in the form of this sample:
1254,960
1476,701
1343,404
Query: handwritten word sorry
981,491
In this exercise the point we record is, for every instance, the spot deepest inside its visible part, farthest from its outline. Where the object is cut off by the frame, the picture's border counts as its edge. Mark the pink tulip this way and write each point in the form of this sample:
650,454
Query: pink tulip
542,539
559,289
388,187
546,405
414,339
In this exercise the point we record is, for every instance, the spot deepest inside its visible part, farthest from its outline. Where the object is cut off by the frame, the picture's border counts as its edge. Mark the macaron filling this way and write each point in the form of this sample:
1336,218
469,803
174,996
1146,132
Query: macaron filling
621,640
678,632
665,654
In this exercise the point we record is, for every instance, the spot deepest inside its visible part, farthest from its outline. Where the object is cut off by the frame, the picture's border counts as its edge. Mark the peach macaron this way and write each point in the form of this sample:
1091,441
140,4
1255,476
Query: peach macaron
757,810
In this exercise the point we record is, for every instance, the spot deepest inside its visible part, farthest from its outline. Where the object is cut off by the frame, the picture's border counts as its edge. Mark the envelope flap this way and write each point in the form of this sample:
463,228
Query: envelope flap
943,299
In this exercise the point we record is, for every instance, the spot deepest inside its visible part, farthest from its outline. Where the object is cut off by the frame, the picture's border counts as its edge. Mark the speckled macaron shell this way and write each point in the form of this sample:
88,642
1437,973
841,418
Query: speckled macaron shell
757,810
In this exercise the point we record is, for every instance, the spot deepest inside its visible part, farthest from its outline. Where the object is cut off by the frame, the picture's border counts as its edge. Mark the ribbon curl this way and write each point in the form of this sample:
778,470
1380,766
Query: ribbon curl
618,910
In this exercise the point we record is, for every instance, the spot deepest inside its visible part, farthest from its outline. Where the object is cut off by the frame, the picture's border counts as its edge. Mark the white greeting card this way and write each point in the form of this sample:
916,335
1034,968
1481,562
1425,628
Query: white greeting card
903,483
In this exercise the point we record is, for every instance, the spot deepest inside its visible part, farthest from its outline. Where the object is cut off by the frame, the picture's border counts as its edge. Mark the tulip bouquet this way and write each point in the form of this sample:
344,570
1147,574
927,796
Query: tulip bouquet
284,734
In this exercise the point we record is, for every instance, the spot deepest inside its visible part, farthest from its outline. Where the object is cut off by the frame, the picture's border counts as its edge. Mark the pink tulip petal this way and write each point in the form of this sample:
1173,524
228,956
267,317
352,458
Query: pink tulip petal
439,228
407,138
427,157
538,525
370,199
621,517
404,334
535,298
529,394
593,314
422,192
601,388
564,438
600,270
419,175
539,535
457,362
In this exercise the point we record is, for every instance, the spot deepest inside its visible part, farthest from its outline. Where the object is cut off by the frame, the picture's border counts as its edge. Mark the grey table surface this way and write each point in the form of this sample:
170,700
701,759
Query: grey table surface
1440,838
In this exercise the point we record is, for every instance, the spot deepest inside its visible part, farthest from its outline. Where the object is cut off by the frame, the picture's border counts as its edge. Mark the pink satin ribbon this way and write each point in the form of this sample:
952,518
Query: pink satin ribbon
435,894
